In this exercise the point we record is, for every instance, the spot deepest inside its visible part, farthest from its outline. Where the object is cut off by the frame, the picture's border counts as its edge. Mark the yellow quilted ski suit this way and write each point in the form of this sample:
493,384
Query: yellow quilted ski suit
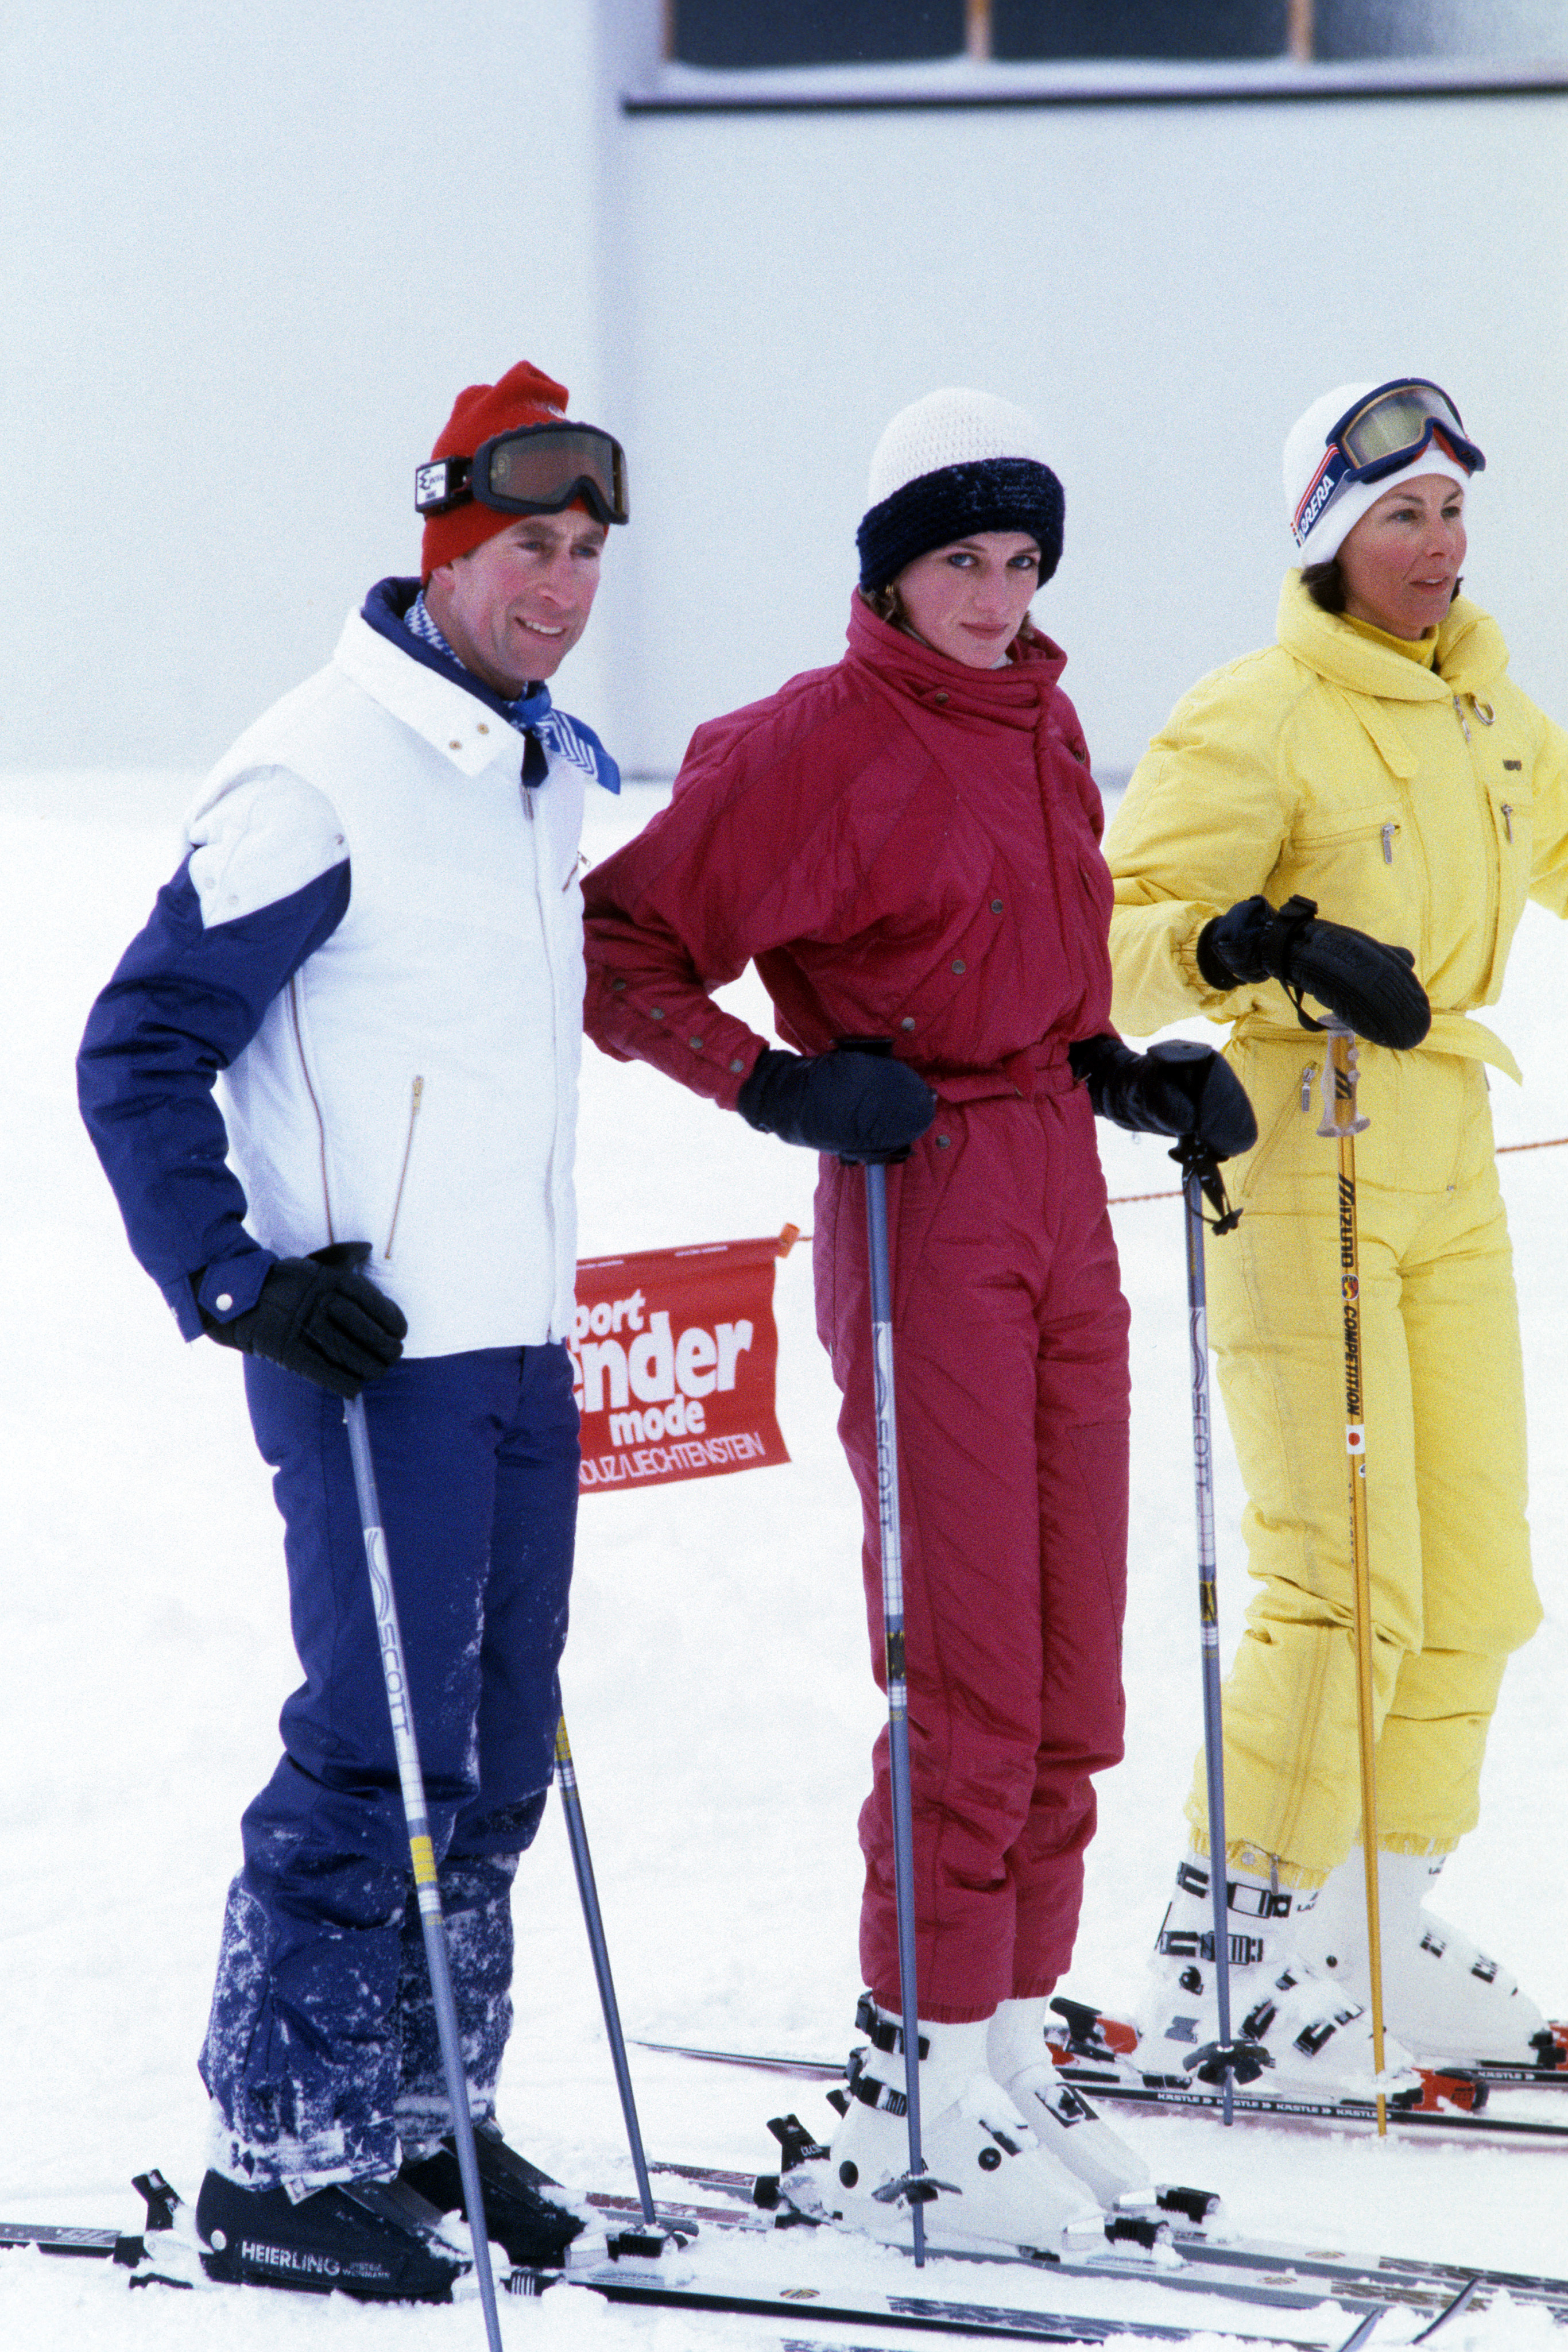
1415,794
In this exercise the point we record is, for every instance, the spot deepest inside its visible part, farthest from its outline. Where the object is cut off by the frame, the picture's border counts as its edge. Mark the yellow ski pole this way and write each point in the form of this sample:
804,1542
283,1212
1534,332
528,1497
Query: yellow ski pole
1341,1120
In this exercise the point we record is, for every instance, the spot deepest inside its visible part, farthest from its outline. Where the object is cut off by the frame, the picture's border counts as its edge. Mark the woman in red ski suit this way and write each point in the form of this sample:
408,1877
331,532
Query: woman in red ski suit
907,847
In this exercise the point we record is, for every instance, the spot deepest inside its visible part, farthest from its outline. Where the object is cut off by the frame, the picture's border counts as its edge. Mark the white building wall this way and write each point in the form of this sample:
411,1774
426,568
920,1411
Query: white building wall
1166,288
249,253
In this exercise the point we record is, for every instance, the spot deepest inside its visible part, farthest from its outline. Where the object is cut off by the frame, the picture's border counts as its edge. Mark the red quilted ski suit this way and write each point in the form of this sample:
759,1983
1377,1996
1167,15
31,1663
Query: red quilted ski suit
908,847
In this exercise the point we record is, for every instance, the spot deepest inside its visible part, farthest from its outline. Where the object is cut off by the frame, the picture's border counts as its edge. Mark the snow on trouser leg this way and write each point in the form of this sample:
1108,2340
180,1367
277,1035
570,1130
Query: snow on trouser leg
300,2055
476,1904
477,1466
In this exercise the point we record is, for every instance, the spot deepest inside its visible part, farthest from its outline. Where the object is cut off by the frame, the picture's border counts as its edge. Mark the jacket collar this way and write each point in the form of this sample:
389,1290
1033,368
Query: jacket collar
385,609
1472,655
455,712
1013,696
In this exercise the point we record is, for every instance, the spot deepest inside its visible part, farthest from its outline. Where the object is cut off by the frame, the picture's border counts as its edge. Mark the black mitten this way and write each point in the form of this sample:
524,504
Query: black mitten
1363,982
862,1106
1176,1088
321,1318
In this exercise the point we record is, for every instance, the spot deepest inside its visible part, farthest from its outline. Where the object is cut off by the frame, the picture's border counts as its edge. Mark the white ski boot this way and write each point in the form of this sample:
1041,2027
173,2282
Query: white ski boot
1062,2119
1441,1995
1318,2040
996,2185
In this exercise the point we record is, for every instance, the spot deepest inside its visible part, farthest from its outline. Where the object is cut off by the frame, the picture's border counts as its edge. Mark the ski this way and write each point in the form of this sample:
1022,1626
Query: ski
1452,2105
55,2237
1279,2293
662,2270
1275,2270
1549,2073
788,2299
1087,2031
639,2271
1099,2055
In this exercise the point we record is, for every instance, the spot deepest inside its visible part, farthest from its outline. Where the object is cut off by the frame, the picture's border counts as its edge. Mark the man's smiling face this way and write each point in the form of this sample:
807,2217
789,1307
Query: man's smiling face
513,608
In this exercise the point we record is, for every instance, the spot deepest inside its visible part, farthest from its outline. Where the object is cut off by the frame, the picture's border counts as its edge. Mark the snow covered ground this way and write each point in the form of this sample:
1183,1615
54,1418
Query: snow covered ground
715,1684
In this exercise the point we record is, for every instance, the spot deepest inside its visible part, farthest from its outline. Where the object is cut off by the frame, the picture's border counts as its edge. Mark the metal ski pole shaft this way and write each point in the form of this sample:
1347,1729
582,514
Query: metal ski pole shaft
1341,1120
897,1688
593,1919
1224,2062
1207,1599
423,1855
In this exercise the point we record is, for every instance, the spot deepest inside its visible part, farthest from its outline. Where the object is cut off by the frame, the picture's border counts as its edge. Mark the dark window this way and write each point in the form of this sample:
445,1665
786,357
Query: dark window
816,32
1343,30
1138,28
756,33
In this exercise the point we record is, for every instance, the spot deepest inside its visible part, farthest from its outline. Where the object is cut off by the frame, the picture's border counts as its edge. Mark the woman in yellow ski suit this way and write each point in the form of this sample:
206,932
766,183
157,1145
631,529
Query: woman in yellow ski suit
1397,777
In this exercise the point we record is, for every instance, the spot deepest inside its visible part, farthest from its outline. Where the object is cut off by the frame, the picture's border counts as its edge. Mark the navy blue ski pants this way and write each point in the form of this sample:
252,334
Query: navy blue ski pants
321,2053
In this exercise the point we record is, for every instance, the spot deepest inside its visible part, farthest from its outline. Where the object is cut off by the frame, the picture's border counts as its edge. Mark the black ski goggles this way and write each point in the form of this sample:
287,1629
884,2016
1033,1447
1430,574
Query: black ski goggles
1388,427
537,470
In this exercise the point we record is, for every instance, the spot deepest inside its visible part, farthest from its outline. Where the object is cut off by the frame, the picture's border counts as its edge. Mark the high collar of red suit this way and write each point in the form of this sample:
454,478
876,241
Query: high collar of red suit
1013,695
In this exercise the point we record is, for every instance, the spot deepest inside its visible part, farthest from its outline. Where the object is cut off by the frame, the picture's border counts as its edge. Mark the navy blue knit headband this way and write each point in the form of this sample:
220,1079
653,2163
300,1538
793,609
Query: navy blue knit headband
955,502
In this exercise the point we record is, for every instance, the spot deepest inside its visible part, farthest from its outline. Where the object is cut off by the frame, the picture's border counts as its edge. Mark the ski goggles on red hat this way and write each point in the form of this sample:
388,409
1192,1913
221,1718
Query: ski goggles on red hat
535,469
1389,428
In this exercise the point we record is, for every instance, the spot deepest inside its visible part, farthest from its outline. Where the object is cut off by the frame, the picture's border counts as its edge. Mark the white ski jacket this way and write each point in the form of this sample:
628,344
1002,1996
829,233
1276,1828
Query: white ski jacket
377,941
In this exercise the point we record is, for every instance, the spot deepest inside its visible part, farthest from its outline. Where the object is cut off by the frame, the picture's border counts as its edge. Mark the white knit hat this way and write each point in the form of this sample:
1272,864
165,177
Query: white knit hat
955,463
949,428
1319,535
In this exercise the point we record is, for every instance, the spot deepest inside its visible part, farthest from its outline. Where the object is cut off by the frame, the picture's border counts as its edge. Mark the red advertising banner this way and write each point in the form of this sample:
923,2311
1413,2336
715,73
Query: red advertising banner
673,1354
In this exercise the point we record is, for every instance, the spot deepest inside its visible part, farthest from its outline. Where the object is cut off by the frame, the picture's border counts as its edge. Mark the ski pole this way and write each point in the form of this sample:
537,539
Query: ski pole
593,1919
1224,2061
891,1543
1341,1120
422,1854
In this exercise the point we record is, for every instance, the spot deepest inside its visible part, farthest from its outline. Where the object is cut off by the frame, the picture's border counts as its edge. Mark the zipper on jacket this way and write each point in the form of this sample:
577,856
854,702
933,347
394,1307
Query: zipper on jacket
1508,818
1460,715
1388,832
1309,1076
415,1098
315,1100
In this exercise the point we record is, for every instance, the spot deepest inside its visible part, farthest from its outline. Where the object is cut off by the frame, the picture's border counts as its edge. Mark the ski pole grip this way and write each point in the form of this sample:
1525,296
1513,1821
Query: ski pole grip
882,1046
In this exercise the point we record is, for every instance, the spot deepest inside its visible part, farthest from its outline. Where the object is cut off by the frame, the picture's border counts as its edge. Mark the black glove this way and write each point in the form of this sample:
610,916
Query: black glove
321,1318
1371,987
862,1106
1176,1088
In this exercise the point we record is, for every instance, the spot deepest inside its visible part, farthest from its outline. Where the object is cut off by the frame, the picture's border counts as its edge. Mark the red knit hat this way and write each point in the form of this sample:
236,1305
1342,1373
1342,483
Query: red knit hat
523,396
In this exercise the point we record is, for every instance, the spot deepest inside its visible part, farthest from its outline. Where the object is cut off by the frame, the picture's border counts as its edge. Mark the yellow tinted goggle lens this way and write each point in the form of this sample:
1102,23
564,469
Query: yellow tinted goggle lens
1393,424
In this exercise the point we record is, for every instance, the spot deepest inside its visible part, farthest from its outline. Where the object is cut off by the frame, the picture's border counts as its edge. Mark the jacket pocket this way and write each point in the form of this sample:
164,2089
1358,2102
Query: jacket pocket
1262,1072
1365,870
1511,805
296,1030
415,1099
1369,830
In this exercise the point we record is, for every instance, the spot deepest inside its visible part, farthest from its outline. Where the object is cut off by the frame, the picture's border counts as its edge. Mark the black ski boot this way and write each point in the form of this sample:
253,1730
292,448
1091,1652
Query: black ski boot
374,2238
520,2214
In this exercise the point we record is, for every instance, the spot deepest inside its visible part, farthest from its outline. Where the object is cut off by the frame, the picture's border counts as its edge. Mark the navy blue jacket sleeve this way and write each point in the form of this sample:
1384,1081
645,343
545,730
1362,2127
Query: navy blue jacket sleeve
183,1002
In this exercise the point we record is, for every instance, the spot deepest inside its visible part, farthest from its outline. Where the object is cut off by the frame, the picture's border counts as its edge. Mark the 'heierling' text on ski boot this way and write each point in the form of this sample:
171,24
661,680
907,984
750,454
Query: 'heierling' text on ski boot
376,2240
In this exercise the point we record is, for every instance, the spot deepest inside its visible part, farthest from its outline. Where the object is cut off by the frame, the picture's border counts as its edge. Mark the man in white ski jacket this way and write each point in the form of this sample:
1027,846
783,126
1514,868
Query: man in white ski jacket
333,1082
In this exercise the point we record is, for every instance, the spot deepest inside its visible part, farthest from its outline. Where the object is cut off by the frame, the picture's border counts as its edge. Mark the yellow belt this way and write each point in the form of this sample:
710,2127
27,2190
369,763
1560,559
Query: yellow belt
1451,1032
